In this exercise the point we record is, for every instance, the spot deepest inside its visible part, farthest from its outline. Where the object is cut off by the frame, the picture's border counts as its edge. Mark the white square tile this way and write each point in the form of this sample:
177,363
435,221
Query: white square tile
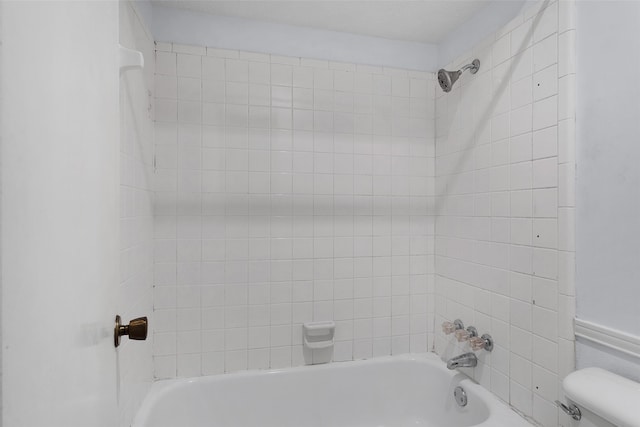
545,233
323,79
522,64
521,231
521,371
521,37
545,53
545,263
343,81
521,175
166,86
521,120
302,77
237,93
213,68
381,85
259,72
189,65
545,83
545,203
166,63
545,173
546,22
521,92
501,50
545,143
164,366
237,70
189,89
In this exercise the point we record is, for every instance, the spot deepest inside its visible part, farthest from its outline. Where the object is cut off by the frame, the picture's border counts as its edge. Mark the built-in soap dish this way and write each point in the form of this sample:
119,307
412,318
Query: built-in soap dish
319,335
130,59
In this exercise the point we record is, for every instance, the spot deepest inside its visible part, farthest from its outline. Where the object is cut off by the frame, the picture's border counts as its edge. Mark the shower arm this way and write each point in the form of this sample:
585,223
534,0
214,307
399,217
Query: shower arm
474,66
466,67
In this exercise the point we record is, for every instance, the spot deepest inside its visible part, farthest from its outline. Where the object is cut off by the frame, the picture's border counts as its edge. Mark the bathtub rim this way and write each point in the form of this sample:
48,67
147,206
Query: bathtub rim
497,408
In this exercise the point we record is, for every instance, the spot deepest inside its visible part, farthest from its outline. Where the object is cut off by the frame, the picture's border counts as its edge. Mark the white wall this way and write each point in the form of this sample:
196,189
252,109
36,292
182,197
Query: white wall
288,190
608,128
504,228
182,26
484,23
136,212
186,27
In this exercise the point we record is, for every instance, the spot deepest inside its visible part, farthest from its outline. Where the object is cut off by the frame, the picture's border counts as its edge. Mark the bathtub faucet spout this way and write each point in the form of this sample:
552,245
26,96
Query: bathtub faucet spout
467,360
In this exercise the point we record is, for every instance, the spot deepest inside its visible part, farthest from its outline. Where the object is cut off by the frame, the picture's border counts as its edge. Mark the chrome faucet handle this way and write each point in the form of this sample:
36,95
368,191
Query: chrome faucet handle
463,335
479,343
450,327
476,343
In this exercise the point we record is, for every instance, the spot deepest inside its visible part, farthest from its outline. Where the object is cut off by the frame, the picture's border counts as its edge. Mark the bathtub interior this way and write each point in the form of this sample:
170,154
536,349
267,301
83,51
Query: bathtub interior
397,393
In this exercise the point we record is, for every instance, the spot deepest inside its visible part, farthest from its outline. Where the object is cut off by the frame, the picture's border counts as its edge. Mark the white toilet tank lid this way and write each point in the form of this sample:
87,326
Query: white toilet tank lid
610,396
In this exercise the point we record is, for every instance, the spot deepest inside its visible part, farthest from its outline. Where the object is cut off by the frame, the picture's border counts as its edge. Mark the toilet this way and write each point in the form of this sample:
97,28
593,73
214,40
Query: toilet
603,398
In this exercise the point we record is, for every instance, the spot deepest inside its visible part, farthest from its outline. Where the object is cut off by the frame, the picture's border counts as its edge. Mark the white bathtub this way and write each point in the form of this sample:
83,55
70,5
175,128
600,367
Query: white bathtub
398,391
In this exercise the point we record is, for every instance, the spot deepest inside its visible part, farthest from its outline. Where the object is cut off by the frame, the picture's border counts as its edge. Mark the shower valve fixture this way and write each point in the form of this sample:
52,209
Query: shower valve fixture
136,329
446,79
450,327
479,343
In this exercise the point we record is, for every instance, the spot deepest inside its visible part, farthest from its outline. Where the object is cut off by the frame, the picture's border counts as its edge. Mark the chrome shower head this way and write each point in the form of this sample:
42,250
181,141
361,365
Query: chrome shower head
448,78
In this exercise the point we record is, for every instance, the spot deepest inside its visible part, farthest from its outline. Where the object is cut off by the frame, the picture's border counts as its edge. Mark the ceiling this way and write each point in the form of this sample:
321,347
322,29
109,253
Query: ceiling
425,21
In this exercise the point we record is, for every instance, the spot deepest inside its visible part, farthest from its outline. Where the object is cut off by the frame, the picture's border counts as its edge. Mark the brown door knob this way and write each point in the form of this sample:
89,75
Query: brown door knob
136,330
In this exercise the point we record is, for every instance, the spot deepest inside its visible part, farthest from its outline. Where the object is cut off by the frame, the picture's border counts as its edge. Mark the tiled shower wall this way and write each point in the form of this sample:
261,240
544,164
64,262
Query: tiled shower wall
1,348
505,208
136,213
289,190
